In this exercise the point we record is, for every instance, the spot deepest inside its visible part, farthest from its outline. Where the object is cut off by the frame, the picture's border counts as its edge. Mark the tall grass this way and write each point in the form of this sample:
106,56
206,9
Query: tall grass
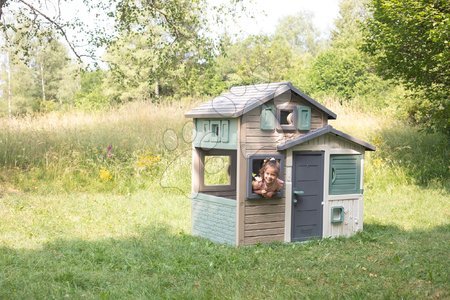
121,149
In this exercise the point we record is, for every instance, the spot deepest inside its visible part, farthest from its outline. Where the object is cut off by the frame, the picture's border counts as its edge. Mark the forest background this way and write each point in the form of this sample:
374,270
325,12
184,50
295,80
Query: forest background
95,159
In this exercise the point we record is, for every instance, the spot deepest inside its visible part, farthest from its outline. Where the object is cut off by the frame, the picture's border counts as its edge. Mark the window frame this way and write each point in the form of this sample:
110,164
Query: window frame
253,196
233,168
287,107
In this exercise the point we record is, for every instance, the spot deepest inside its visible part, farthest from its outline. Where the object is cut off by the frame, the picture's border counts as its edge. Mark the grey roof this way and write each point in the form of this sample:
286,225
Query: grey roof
319,132
242,99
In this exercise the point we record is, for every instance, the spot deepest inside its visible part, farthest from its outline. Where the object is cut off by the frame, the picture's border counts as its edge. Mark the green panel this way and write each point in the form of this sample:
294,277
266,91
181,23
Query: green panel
214,218
345,174
268,119
303,117
223,137
224,131
203,129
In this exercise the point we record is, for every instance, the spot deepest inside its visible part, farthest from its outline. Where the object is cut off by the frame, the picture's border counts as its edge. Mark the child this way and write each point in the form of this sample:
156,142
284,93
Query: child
267,183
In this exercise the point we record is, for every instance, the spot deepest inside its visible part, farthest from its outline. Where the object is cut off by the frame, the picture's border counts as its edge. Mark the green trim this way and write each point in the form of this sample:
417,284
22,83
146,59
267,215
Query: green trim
224,131
341,212
214,199
303,117
225,136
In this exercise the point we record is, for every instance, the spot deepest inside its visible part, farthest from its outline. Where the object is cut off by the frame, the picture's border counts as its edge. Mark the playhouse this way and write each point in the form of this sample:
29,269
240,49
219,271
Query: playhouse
322,168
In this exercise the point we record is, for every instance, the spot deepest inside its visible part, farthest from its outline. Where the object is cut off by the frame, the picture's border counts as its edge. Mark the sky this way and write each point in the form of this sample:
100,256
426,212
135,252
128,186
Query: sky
267,13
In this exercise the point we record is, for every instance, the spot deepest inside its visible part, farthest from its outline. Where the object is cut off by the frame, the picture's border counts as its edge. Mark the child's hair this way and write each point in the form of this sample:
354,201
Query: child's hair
270,162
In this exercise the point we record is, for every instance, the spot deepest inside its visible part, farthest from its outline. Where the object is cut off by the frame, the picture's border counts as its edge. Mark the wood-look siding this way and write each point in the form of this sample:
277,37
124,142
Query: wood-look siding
260,141
264,219
352,217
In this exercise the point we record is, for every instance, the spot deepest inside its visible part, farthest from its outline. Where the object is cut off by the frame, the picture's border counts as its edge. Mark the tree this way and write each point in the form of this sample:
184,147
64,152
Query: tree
299,31
177,17
410,40
255,59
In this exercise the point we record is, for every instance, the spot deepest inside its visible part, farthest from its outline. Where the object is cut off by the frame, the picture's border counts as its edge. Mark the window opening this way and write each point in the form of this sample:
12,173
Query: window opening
255,163
286,117
217,170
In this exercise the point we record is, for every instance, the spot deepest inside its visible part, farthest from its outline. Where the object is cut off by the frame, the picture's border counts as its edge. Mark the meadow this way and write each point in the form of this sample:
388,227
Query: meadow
95,205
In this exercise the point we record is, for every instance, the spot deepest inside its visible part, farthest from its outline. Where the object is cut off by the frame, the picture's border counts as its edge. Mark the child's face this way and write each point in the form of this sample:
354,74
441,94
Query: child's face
270,174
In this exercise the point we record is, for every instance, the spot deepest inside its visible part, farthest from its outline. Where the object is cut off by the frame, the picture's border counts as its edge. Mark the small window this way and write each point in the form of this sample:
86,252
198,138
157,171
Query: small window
217,170
215,131
255,163
287,115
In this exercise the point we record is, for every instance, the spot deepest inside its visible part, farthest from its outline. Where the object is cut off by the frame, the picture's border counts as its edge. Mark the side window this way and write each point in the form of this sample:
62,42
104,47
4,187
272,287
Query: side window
345,174
254,165
217,170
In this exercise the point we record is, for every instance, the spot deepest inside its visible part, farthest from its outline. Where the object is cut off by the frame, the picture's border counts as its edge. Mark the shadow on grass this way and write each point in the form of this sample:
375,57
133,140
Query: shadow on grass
423,157
381,262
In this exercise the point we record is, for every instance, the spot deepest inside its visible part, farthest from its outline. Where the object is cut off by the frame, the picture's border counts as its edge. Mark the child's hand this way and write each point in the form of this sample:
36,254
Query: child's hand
269,194
263,192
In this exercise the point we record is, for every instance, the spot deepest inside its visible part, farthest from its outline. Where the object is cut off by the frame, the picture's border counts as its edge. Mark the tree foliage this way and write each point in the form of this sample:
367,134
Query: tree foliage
410,40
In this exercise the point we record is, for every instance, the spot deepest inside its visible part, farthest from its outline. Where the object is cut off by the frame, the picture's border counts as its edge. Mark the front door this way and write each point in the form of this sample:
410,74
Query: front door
307,195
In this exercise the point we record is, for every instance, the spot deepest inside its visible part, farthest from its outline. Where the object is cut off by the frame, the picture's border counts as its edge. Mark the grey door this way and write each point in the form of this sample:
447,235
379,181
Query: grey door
307,195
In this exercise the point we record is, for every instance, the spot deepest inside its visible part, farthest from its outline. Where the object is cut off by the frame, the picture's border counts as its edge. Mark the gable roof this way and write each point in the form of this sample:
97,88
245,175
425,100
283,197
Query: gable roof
322,131
242,99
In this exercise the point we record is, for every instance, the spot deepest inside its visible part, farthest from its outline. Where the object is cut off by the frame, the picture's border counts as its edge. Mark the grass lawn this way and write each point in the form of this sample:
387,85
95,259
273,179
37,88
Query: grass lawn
138,246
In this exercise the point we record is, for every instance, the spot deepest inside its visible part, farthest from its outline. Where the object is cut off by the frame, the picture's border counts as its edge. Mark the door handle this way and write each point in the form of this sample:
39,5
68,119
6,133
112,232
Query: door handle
299,193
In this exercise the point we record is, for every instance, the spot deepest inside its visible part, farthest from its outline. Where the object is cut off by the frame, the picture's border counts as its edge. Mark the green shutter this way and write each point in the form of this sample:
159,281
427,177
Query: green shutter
224,131
345,174
304,117
204,129
267,117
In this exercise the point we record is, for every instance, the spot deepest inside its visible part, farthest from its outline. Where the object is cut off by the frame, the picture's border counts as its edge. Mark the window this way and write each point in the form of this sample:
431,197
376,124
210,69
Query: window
215,131
345,174
286,115
254,164
217,170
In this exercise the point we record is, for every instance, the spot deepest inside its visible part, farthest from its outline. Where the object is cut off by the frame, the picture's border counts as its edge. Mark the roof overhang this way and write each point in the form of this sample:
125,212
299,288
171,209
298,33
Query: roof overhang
322,131
228,105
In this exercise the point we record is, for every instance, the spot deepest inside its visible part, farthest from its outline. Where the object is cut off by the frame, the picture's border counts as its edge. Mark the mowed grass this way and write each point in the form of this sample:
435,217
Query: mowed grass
89,236
138,246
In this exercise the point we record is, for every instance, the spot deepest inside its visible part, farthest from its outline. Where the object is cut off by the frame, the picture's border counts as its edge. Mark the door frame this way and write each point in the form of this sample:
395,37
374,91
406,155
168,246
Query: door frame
291,188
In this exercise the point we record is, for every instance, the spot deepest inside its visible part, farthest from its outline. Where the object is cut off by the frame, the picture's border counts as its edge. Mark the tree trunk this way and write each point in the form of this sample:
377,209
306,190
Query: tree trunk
8,70
42,82
157,89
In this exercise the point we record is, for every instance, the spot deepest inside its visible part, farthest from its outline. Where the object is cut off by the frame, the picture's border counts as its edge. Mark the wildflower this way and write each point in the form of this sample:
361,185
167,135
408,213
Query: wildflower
105,175
109,151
